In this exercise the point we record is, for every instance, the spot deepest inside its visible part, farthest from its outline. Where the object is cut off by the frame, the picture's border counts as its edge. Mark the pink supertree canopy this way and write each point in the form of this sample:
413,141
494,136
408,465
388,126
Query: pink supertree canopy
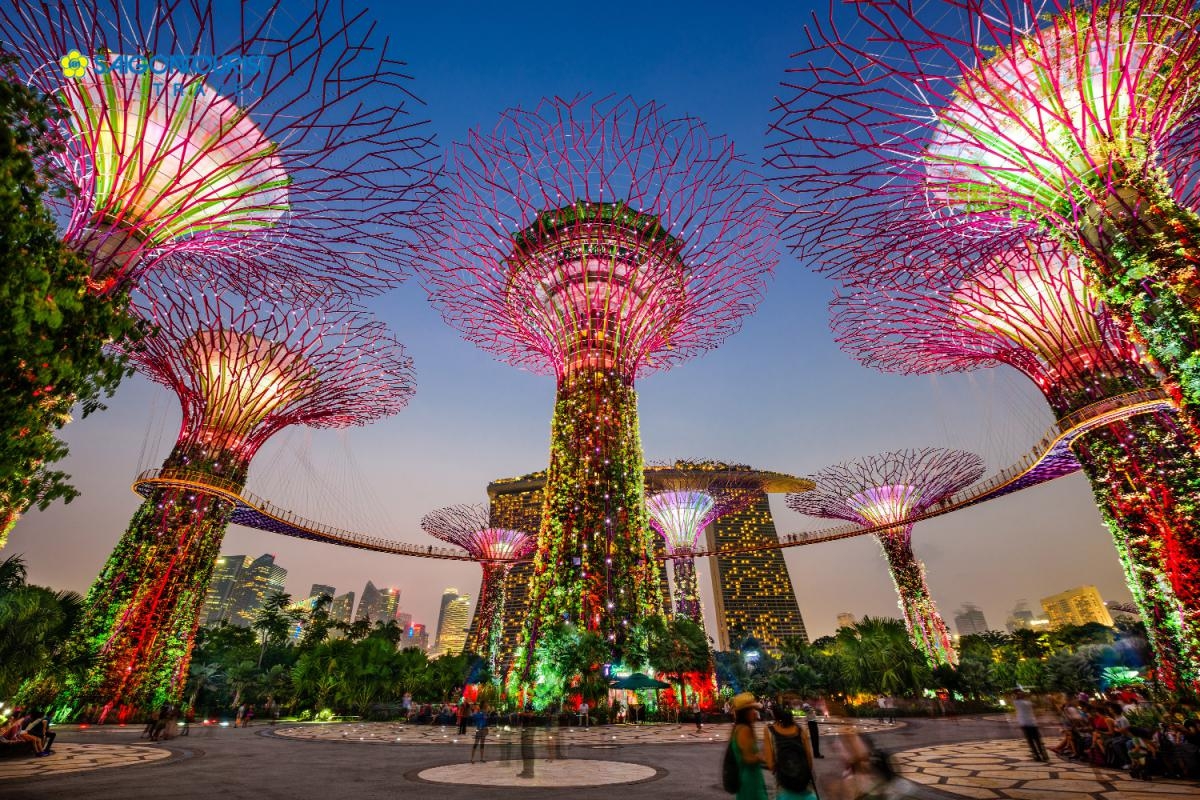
201,131
598,233
495,549
244,369
889,489
1029,308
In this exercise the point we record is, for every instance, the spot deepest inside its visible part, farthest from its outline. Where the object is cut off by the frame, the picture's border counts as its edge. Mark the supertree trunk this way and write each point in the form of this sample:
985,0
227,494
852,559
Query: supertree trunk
926,628
594,565
1147,270
687,595
1145,475
485,636
141,614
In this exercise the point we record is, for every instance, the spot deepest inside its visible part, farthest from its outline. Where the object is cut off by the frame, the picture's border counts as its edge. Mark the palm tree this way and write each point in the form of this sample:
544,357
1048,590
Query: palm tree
34,624
675,648
201,676
242,678
273,620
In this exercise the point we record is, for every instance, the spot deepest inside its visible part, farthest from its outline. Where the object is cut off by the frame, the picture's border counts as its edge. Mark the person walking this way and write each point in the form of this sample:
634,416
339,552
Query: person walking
480,720
464,714
814,733
744,742
789,756
1027,722
584,711
699,711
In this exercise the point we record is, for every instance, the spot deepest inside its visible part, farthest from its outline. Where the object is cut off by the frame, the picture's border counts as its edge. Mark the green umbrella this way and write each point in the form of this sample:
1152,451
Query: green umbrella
640,680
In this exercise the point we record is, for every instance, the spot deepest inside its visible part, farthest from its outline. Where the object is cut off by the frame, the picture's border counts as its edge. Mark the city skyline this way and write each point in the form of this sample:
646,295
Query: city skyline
799,403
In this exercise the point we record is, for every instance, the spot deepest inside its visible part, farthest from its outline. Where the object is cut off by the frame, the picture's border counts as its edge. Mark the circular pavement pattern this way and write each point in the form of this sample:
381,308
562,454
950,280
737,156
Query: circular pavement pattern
1003,768
559,774
71,757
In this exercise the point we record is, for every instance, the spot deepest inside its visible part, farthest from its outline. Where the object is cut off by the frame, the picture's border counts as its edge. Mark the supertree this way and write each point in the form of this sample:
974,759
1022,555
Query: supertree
495,549
1031,309
600,242
1000,120
199,131
888,489
243,370
686,498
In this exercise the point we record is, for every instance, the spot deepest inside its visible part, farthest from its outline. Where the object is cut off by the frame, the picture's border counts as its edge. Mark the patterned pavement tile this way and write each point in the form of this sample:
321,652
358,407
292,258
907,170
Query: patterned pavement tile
70,757
1002,768
562,773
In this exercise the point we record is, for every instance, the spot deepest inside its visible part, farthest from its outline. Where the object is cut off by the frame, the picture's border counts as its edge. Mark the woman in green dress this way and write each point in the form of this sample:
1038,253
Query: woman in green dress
752,786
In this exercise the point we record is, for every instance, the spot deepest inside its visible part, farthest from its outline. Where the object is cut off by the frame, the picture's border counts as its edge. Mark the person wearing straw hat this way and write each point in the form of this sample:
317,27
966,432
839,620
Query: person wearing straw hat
752,786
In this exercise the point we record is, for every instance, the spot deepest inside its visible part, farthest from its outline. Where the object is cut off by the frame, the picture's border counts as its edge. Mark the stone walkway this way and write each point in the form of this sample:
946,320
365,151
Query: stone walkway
595,736
1003,769
72,757
562,773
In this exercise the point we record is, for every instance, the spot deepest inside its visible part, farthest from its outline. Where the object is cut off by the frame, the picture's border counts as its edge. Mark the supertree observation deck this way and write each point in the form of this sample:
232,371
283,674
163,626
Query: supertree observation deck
684,498
1079,123
202,131
597,241
890,488
243,370
495,549
1031,309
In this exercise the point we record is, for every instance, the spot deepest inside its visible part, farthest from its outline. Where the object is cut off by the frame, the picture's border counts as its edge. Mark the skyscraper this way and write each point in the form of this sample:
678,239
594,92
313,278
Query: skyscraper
453,619
969,620
259,580
416,636
753,591
846,620
319,589
377,605
218,597
341,608
1077,606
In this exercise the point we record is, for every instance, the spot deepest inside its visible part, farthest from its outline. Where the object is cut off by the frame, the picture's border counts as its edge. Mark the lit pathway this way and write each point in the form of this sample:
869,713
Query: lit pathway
555,774
1003,769
595,736
70,757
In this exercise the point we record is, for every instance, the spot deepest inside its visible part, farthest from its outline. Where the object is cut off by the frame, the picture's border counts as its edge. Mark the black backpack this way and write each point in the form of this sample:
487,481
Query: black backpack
792,769
731,776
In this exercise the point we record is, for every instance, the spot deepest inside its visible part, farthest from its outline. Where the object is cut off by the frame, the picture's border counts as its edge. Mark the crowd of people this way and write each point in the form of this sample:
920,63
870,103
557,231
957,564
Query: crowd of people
1124,731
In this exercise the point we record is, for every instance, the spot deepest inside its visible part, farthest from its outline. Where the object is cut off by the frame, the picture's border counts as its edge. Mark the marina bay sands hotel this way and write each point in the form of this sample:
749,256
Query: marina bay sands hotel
753,594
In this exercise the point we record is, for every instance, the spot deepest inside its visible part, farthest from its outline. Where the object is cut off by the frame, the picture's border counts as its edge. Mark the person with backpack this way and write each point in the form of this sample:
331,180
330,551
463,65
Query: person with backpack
788,754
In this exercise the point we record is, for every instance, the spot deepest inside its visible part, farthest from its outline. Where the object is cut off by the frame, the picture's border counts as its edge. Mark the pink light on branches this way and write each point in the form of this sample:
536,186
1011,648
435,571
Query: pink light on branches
200,131
890,488
244,369
598,233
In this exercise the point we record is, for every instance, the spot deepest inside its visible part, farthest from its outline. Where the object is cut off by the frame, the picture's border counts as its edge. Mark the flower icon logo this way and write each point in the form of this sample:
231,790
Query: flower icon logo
74,64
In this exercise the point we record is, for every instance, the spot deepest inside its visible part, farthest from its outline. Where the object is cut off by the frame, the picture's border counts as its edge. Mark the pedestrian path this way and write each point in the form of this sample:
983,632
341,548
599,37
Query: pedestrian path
594,736
1002,769
559,774
72,757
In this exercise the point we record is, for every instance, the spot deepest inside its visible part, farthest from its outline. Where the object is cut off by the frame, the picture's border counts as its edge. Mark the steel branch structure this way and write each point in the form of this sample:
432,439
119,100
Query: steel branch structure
1000,122
203,131
495,549
242,370
688,497
889,488
597,241
1031,309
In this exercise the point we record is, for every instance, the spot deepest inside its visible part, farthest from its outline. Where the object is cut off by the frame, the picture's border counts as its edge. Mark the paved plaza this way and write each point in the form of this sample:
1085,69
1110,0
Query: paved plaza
946,759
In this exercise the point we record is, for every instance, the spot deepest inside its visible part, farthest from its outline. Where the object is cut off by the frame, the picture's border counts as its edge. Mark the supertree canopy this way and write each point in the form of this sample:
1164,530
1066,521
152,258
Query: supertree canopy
685,500
888,489
1031,310
198,131
495,549
1002,122
242,370
598,241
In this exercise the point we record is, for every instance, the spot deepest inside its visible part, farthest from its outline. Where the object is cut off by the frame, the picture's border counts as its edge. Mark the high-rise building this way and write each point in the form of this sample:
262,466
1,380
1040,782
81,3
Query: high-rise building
218,598
969,620
319,589
342,608
1077,606
453,620
1020,618
846,620
416,636
753,591
377,605
259,580
515,503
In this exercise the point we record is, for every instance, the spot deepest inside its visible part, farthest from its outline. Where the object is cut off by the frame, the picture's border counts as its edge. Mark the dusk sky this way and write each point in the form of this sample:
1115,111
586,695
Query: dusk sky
778,395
